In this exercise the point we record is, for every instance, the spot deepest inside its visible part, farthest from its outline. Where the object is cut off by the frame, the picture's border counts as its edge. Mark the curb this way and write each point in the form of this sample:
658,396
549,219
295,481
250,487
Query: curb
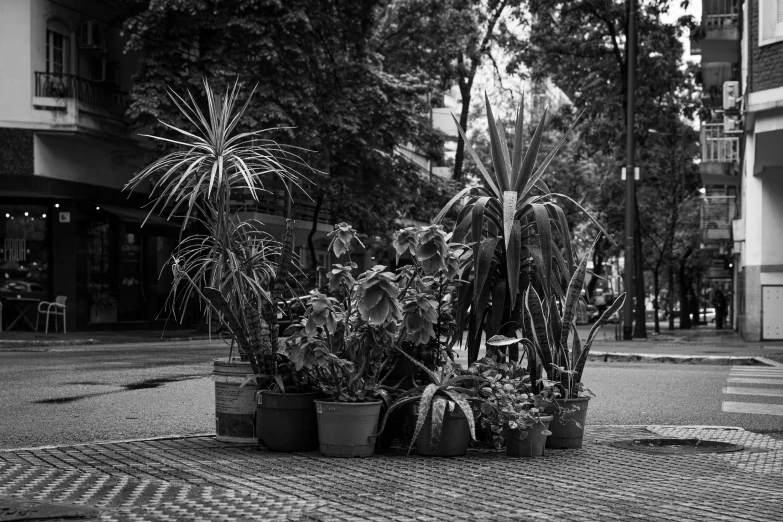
682,359
21,343
107,442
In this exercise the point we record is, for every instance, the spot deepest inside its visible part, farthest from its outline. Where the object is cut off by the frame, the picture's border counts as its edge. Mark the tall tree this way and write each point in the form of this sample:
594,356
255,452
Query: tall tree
581,45
319,75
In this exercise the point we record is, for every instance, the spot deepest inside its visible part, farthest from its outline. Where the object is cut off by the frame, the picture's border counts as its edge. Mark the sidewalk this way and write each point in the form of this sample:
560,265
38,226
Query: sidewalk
198,478
27,339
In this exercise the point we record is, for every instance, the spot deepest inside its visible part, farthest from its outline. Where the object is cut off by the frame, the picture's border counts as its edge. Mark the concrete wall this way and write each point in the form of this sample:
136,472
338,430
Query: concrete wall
86,159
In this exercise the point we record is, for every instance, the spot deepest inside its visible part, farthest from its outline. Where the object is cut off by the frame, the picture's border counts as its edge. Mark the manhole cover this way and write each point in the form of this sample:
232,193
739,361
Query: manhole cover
676,446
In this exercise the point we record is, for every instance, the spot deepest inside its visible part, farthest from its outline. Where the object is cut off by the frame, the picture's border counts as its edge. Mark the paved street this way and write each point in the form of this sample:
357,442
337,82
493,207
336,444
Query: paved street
76,394
107,392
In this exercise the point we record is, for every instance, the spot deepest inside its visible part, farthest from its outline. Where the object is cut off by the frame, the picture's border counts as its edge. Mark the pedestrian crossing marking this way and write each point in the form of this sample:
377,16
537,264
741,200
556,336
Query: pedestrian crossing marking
768,392
753,380
752,407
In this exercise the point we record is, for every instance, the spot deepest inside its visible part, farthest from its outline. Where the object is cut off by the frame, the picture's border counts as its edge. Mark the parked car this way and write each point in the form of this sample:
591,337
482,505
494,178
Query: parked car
20,287
291,310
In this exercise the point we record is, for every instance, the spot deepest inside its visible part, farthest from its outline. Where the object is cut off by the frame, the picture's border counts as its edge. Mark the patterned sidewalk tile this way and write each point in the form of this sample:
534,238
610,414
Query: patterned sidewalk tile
202,479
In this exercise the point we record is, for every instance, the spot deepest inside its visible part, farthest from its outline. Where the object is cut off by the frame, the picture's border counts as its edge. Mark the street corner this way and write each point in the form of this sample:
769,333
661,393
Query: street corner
13,509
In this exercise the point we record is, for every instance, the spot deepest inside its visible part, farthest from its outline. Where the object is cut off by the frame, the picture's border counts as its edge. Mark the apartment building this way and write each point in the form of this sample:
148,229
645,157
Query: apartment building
66,151
742,157
758,229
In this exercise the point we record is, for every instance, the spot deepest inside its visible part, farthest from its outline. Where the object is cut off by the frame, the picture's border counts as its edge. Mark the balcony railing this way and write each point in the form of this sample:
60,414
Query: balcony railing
274,202
104,96
720,13
717,146
717,213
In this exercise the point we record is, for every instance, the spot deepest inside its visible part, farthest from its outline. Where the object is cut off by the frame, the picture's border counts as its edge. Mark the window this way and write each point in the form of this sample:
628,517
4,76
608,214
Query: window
24,252
58,48
770,22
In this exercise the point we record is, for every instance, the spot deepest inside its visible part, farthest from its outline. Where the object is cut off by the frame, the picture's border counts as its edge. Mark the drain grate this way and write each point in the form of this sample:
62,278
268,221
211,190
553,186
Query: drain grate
676,446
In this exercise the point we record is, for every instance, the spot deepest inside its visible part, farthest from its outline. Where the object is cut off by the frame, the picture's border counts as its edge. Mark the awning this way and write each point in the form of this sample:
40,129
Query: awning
132,215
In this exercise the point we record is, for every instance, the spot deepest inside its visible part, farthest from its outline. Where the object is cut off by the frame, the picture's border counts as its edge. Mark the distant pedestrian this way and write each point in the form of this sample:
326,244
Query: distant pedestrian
719,302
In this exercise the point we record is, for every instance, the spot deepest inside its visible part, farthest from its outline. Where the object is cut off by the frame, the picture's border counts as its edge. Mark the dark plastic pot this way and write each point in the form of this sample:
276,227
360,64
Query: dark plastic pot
347,429
453,440
530,441
568,427
287,422
235,405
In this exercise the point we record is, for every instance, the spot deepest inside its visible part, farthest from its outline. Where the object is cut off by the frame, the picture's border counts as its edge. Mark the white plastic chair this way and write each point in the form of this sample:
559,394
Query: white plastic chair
52,308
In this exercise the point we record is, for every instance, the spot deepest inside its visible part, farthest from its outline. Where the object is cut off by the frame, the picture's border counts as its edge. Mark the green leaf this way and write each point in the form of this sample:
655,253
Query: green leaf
516,159
424,407
438,412
573,293
488,178
526,169
499,161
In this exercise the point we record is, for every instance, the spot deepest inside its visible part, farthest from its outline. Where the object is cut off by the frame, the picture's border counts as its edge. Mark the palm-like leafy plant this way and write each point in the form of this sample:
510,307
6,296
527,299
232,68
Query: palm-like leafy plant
232,267
519,237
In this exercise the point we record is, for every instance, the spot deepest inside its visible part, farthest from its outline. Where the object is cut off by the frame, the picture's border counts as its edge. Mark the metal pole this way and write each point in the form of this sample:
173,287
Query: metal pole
629,174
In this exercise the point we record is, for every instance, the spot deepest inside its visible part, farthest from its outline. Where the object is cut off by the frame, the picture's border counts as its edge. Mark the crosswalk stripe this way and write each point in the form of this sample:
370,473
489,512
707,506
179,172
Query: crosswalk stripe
752,407
752,380
770,371
768,392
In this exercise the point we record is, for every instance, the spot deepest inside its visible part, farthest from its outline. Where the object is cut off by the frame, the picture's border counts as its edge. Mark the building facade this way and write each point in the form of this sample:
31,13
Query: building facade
742,157
66,152
758,229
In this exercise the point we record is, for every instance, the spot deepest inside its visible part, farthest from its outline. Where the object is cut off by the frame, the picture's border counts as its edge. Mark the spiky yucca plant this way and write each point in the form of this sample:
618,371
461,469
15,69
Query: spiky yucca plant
234,268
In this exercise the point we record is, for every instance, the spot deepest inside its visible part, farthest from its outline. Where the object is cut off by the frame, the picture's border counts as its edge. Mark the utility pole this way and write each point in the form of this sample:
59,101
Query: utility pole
630,190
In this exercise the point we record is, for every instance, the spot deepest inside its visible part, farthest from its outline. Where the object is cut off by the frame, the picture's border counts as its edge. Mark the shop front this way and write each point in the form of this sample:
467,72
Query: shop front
113,271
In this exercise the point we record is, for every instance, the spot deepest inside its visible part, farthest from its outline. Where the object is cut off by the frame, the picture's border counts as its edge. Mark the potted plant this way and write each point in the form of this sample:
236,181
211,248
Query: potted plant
509,409
552,359
443,418
233,267
344,343
103,308
285,412
522,272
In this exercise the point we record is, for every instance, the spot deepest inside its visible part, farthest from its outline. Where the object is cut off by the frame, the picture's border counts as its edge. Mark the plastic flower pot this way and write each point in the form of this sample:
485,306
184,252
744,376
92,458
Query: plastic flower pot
568,424
347,429
454,438
530,441
287,422
235,405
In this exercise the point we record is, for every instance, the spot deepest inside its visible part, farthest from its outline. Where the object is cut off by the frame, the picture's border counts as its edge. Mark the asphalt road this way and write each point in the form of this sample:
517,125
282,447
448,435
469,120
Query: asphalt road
113,392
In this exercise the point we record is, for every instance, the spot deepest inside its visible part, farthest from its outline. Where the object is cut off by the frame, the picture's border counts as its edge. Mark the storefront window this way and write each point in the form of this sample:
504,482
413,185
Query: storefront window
24,250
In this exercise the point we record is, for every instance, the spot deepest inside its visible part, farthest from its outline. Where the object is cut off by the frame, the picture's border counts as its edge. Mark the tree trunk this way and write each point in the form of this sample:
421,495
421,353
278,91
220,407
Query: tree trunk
310,244
459,156
656,292
671,296
640,319
685,308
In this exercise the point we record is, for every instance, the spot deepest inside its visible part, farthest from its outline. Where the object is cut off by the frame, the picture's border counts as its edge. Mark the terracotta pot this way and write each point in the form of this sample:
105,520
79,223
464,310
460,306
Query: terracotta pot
530,441
287,422
453,440
347,429
568,424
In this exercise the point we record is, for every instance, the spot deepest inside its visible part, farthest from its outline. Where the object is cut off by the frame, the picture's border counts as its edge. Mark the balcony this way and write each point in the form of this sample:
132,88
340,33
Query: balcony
717,214
97,95
720,31
720,155
273,202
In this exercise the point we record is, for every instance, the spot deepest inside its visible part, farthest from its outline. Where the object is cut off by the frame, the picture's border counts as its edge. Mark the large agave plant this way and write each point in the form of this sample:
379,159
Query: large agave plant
519,236
233,267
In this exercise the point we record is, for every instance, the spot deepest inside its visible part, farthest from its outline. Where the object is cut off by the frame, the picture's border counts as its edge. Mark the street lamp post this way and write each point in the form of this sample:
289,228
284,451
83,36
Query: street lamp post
629,176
